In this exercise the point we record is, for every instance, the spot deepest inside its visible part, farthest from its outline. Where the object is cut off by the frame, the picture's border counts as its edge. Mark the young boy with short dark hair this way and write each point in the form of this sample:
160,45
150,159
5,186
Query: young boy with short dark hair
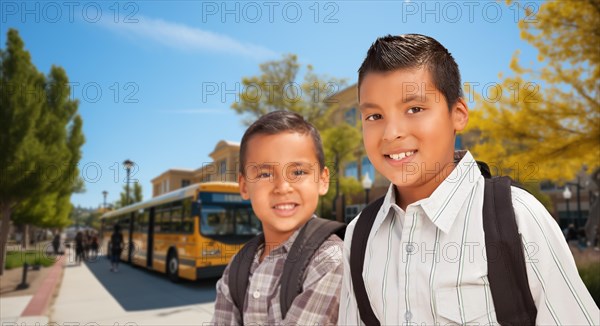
424,258
283,173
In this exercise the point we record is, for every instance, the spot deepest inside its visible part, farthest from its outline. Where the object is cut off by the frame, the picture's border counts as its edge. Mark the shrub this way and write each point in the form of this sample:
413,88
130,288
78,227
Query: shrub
15,259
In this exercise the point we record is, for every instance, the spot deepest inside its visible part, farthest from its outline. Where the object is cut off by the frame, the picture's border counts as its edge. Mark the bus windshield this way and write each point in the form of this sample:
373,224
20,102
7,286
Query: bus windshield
228,220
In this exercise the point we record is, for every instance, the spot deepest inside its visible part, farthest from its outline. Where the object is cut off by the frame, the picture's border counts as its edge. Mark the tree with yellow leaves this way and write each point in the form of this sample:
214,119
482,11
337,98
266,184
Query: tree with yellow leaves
546,124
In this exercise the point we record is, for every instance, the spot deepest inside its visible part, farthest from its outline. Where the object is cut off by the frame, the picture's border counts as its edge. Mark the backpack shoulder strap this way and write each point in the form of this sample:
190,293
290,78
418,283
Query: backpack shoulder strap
239,270
485,169
308,241
507,272
363,227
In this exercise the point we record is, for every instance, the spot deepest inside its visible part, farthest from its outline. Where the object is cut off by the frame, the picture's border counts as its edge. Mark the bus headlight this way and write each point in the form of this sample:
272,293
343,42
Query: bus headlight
211,253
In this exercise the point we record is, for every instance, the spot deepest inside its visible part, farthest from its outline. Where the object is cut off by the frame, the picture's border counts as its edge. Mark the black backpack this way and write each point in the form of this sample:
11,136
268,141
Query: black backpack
506,262
309,239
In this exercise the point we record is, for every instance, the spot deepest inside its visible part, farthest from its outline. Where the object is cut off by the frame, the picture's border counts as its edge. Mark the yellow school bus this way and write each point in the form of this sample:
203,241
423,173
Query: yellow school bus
189,233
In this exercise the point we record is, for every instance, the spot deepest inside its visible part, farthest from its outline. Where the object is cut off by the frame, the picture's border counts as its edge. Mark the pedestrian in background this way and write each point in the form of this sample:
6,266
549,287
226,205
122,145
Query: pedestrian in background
56,243
116,247
79,250
94,245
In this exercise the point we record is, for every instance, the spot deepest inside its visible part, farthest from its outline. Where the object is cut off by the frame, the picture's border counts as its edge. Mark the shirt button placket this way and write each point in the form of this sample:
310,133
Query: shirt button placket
410,249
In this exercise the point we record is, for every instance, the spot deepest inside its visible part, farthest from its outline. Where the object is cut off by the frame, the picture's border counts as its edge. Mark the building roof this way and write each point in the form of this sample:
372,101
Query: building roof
180,170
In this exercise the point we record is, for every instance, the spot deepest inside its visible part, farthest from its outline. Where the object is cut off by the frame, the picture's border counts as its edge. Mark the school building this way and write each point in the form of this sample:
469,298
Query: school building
224,167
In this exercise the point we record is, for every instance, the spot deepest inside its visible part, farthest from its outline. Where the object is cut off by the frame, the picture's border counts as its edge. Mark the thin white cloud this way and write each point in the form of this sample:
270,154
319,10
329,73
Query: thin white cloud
183,37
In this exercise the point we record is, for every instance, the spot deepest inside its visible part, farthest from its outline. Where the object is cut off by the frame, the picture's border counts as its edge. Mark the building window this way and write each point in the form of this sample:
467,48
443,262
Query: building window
236,162
548,185
458,142
351,170
350,116
185,183
368,167
223,167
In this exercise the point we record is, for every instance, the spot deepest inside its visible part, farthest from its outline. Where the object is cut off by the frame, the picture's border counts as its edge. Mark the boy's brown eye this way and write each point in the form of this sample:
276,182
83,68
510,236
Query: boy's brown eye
300,172
373,117
415,109
264,174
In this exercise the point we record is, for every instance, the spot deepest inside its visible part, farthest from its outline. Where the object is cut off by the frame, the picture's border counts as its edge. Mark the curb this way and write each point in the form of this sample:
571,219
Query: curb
41,299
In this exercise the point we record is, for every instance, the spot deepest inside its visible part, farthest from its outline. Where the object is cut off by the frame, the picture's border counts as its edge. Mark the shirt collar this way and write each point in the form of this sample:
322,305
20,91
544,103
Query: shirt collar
285,247
445,202
389,202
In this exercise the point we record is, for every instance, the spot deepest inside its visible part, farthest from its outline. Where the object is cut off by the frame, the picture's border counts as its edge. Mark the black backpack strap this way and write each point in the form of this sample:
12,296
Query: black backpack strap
308,241
507,272
358,249
485,169
239,271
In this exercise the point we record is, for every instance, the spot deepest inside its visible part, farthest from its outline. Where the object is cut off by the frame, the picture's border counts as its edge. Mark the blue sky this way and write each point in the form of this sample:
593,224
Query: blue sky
138,68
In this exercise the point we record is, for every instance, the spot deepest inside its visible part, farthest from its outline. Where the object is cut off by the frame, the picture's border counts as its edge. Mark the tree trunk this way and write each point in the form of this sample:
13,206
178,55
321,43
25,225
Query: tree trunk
5,213
25,238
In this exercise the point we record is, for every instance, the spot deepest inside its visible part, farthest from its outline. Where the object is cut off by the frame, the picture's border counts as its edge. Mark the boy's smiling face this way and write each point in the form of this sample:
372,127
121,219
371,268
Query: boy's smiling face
283,181
408,130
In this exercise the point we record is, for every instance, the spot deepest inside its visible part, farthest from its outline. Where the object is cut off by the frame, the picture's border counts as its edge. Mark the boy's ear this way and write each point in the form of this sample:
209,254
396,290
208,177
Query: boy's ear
324,181
460,114
243,189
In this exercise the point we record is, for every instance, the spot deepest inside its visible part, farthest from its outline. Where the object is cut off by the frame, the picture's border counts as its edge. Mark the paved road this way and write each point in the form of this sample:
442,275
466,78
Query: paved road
91,293
140,289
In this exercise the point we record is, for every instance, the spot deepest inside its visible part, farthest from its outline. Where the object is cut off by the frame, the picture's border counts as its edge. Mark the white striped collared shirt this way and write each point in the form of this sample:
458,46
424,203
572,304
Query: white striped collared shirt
406,285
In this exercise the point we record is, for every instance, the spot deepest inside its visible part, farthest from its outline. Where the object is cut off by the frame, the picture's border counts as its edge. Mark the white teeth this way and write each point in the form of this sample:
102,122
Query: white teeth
285,207
398,157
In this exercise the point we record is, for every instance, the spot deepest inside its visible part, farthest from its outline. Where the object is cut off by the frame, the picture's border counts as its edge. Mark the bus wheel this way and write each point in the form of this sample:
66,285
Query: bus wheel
173,267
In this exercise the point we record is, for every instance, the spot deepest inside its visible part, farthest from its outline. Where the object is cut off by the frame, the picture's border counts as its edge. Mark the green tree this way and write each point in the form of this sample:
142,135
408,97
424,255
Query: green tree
60,127
40,140
135,195
340,143
547,123
278,88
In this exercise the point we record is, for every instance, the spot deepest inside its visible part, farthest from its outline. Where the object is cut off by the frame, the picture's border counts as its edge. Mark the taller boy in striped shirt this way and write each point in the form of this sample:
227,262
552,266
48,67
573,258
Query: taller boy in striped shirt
425,261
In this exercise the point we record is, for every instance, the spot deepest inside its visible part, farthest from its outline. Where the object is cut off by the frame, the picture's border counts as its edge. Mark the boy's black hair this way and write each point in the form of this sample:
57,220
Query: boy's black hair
409,51
277,122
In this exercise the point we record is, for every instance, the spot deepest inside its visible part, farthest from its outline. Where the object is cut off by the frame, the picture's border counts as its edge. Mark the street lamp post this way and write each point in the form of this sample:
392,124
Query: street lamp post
128,164
104,193
367,183
567,195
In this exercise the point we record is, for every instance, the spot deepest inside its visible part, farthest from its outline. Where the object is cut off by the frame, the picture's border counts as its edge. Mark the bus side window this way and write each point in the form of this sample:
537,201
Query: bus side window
187,225
176,218
165,221
143,224
157,221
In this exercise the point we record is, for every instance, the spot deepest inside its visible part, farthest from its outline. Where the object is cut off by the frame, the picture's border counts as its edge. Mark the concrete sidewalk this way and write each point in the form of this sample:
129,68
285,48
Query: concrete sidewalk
91,294
31,308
